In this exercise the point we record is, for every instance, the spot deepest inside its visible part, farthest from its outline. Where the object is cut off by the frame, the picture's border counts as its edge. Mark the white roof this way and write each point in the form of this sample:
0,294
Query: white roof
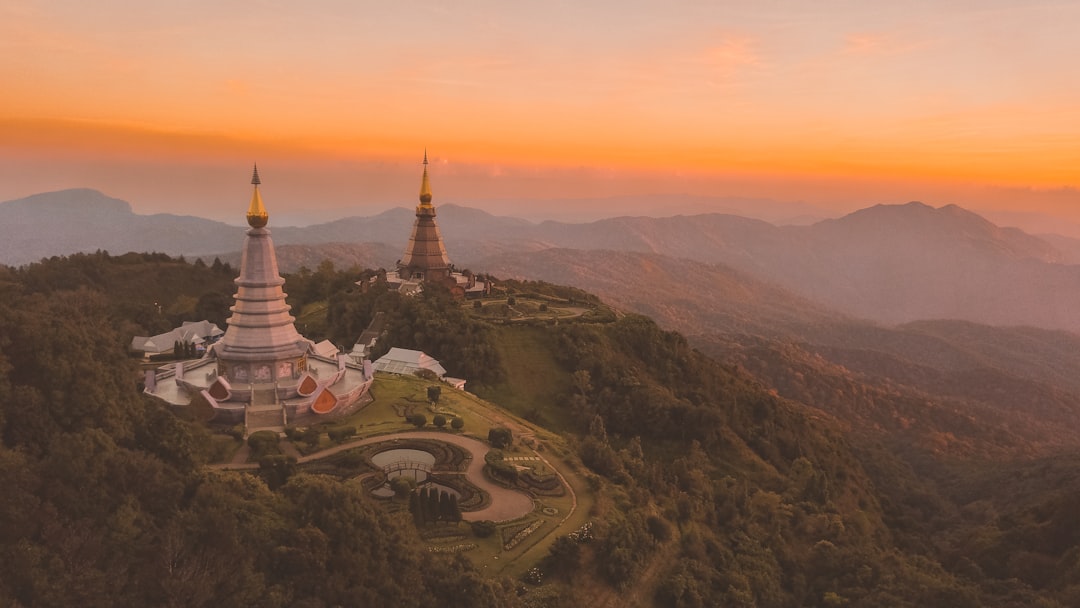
326,349
195,332
202,329
405,361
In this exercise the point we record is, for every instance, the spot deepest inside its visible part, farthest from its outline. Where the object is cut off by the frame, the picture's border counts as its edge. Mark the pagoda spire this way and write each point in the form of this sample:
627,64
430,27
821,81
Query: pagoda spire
256,215
425,257
425,185
261,330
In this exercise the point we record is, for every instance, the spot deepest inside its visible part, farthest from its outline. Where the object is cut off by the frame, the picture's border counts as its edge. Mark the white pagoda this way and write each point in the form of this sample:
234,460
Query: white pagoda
262,371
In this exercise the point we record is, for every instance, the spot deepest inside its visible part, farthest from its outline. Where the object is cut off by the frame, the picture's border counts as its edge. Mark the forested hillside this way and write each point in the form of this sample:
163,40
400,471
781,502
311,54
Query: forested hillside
106,501
711,489
719,492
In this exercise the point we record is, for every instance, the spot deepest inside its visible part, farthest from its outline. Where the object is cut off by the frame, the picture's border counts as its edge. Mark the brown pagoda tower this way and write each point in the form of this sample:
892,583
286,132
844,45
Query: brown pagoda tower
425,257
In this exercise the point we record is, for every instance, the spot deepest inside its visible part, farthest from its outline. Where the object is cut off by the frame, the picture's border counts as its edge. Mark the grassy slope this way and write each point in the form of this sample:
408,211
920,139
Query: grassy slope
534,380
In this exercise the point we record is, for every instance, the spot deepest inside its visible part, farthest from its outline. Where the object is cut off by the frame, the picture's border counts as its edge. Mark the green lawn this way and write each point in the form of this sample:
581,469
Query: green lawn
395,395
534,380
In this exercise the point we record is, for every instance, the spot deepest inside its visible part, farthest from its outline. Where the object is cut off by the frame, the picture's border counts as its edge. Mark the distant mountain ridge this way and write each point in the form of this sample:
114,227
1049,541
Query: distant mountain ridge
888,263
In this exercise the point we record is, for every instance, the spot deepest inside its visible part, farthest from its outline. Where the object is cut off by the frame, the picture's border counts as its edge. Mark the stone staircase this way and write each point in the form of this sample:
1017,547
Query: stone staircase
265,412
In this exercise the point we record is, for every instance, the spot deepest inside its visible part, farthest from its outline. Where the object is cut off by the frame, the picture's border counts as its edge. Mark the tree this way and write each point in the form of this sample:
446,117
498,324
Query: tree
414,507
263,443
276,469
457,423
402,486
433,394
444,506
565,556
454,509
418,420
500,437
439,420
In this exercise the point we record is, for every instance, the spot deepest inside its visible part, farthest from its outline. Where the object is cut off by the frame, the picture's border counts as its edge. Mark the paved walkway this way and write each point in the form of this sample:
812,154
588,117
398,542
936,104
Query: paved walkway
505,504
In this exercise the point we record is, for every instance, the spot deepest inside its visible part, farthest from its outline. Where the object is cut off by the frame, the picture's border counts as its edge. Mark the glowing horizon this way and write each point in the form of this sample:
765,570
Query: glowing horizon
841,104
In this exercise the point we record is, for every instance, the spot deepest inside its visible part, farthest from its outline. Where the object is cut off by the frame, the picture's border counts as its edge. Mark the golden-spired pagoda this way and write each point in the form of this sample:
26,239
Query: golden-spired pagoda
261,343
425,259
263,372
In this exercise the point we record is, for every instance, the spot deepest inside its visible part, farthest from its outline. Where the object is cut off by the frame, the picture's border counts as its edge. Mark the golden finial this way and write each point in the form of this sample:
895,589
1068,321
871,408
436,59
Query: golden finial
256,215
425,186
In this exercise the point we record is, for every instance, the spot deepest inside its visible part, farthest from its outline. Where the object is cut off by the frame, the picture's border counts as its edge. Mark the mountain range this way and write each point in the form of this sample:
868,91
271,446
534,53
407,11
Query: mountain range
933,333
887,263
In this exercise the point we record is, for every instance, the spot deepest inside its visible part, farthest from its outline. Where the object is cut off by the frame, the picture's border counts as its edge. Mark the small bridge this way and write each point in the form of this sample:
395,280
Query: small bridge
407,465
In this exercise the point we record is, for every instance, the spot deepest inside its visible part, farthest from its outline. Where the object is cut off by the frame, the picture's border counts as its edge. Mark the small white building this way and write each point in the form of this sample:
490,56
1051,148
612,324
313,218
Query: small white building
405,361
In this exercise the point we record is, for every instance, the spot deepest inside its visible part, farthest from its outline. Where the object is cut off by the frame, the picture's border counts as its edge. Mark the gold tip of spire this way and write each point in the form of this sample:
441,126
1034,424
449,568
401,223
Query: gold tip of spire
425,185
256,215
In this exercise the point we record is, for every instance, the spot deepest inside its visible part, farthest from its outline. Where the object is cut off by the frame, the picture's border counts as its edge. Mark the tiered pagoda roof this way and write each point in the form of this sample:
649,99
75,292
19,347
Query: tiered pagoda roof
425,256
260,328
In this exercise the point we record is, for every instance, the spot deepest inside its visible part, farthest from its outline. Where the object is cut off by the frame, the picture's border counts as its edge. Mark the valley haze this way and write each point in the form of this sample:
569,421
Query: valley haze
887,263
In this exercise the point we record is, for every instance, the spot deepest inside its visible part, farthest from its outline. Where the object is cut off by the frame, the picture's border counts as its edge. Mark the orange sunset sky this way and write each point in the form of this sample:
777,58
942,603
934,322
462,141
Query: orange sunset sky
544,109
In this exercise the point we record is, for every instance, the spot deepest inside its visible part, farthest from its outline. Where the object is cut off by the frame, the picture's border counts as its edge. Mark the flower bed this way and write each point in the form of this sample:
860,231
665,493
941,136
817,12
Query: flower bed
522,535
463,547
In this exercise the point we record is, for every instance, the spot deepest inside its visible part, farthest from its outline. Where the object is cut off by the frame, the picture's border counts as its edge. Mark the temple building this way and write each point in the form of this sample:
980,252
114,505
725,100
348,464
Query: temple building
198,333
425,259
262,371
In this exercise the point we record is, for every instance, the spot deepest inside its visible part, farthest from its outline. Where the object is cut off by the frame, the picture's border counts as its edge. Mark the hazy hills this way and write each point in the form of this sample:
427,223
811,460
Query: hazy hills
952,388
83,220
888,263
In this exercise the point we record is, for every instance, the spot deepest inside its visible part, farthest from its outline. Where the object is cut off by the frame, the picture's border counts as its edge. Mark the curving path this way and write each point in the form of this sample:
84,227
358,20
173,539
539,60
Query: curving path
505,504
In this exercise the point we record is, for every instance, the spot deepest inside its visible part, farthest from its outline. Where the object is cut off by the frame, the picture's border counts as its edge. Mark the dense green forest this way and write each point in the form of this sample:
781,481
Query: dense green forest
106,501
712,490
761,500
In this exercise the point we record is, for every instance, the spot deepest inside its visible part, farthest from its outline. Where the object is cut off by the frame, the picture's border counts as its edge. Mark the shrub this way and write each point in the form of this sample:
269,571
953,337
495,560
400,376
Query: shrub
262,439
439,420
534,576
352,458
311,436
237,432
418,420
263,443
276,469
500,437
402,486
457,423
292,433
341,433
483,528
